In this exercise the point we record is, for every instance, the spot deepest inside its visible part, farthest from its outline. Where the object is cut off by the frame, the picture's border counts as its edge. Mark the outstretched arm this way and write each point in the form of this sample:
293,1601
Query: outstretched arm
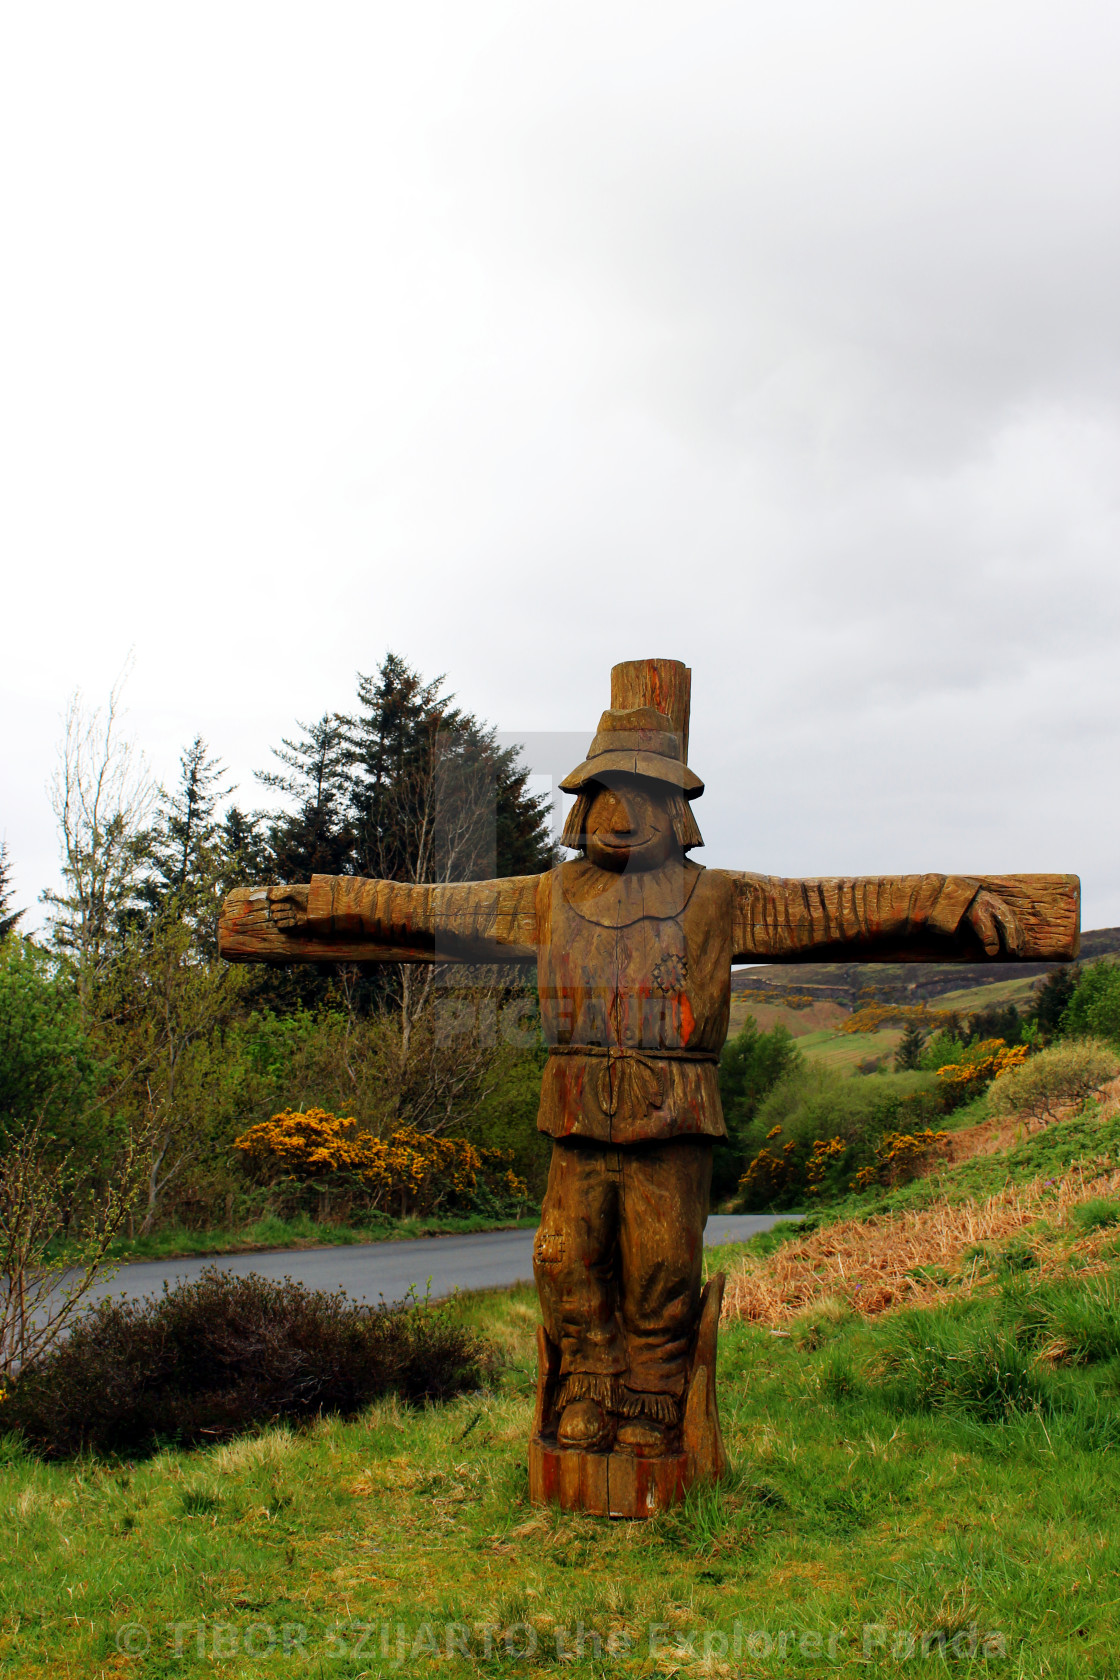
345,918
904,918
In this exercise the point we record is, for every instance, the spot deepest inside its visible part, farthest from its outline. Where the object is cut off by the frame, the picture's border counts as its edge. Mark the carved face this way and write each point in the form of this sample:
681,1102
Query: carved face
628,826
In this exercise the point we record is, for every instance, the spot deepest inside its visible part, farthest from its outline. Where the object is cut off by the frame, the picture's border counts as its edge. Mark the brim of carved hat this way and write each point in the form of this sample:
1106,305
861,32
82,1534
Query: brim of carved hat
655,766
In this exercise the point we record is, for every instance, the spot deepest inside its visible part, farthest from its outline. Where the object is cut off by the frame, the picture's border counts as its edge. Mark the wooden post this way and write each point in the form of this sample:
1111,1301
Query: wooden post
612,1483
664,683
632,933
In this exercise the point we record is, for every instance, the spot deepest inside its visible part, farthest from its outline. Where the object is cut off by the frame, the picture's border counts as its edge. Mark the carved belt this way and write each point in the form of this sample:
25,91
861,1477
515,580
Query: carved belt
637,1086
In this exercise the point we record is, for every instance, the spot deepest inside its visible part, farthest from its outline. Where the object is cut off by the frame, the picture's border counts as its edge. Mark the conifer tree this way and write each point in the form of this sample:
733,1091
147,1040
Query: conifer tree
434,795
8,916
908,1055
185,846
317,838
1052,1000
247,858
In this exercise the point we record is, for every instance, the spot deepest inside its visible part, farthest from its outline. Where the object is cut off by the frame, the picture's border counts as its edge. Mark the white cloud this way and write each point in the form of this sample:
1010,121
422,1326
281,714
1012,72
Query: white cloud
522,338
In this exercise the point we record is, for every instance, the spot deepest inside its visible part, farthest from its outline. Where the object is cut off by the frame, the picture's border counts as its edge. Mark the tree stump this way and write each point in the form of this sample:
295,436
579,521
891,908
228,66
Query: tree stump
628,1484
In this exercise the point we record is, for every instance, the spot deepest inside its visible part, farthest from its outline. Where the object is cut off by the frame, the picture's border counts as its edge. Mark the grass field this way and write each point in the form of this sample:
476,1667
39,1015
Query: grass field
822,1016
863,1518
936,1487
845,1051
1019,991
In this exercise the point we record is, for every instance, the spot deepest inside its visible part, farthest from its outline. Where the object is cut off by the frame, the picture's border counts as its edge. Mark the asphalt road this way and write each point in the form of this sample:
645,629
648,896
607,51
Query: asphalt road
370,1271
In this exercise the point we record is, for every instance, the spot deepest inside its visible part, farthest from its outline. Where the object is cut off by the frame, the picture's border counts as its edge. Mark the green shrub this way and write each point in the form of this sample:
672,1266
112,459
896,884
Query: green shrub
49,1071
998,1020
1063,1073
818,1128
1093,1010
223,1355
944,1049
751,1064
1051,1000
506,1118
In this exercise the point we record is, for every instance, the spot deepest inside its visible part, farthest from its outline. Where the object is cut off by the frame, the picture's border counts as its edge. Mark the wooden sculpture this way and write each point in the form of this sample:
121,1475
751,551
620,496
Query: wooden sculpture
634,944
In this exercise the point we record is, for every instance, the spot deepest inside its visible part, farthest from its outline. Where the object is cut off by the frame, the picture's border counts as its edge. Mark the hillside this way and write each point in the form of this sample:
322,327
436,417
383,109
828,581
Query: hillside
814,1000
930,1237
850,984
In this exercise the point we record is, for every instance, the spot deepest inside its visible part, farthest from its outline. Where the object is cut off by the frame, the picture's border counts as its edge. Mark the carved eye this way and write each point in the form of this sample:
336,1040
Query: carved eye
670,973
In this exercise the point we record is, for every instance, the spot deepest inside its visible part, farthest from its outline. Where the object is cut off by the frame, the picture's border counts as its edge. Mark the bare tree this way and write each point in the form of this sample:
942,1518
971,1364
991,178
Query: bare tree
168,1004
101,795
41,1202
443,808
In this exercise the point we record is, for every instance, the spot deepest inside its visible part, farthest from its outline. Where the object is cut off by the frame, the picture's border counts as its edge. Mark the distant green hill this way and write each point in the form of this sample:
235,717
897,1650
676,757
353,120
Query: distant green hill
851,984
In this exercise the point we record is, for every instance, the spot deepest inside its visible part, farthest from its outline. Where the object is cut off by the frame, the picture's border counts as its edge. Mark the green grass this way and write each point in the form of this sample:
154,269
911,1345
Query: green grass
303,1232
971,998
873,1485
845,1051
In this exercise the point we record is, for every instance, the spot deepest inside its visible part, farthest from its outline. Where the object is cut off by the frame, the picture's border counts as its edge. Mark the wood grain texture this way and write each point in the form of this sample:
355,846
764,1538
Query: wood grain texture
665,684
897,918
639,1487
350,919
628,1484
701,1436
548,1380
1049,909
469,921
246,934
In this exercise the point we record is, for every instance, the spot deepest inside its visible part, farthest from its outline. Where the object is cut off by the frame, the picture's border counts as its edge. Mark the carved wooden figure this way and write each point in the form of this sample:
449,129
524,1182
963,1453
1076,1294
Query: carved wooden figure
634,944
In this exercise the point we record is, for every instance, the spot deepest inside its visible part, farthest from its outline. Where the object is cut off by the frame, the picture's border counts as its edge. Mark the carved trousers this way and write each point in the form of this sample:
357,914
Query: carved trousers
618,1258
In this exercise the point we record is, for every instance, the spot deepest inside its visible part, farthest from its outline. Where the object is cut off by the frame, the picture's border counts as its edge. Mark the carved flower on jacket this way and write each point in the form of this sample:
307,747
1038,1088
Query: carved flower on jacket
670,973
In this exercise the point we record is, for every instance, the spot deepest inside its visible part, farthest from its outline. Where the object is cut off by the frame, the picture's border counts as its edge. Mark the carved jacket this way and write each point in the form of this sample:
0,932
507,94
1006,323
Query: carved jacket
634,970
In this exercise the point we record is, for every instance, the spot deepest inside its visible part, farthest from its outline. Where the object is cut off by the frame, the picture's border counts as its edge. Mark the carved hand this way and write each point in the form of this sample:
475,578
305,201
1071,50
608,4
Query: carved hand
287,908
995,924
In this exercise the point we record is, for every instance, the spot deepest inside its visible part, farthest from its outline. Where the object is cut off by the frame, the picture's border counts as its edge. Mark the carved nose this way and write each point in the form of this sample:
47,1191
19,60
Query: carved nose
620,822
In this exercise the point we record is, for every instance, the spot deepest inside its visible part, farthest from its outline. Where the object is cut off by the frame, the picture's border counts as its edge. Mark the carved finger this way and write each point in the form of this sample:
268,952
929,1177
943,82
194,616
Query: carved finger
996,924
980,915
1010,927
287,907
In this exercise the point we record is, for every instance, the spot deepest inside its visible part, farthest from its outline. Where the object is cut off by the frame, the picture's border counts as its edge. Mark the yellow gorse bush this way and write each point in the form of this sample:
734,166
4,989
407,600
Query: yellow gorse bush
768,1173
782,1000
824,1151
409,1170
983,1062
900,1156
873,1016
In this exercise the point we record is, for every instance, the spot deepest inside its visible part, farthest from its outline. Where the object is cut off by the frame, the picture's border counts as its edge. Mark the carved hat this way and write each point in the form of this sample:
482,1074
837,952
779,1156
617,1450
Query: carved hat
641,742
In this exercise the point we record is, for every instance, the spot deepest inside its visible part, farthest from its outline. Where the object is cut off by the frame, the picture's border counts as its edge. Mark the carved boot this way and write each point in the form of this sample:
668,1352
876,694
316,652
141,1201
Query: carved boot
584,1424
650,1426
645,1437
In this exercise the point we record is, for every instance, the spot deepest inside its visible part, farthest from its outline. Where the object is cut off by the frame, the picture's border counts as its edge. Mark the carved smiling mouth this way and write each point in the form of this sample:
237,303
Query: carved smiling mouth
625,843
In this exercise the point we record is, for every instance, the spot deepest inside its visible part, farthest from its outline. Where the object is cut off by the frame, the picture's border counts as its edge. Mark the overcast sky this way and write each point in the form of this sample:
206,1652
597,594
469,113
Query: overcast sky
518,338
